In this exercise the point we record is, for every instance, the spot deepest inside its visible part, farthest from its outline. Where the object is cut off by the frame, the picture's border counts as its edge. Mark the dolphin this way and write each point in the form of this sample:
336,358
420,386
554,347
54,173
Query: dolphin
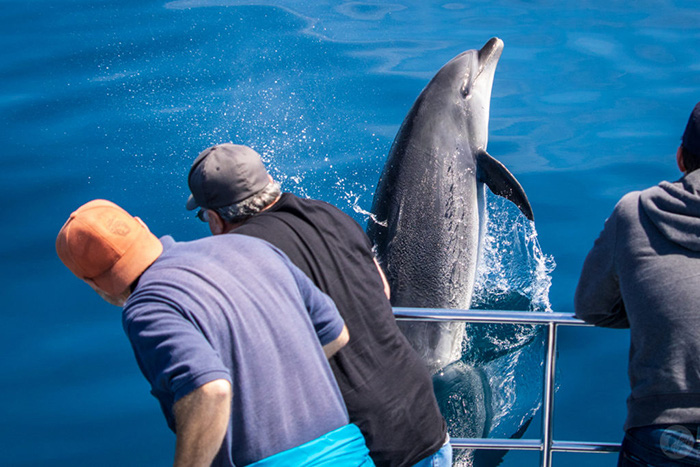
428,217
429,203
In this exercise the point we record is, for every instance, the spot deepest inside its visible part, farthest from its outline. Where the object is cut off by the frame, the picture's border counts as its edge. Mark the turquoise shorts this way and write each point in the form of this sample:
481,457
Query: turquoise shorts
344,447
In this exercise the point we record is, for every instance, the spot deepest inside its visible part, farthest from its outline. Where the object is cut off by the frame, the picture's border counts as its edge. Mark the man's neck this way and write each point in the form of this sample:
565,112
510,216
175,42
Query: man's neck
272,203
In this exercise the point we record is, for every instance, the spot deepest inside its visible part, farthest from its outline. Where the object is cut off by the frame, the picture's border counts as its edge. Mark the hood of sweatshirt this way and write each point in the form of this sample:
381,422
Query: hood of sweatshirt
674,208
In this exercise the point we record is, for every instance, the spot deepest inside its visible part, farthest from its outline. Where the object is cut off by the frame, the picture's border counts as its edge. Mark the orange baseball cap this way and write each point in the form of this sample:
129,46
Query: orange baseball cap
103,243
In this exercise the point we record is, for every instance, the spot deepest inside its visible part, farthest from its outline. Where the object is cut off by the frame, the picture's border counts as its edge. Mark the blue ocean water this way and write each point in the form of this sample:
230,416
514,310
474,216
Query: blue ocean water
107,99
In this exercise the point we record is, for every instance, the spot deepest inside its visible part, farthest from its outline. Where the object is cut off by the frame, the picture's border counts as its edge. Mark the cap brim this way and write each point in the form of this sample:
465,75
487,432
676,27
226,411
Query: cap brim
191,204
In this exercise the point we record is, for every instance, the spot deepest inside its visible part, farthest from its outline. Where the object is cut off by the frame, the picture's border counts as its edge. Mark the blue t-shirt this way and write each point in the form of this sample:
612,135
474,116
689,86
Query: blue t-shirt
234,307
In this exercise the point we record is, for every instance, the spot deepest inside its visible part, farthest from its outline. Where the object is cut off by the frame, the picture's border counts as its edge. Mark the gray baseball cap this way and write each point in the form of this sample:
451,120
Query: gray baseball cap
225,174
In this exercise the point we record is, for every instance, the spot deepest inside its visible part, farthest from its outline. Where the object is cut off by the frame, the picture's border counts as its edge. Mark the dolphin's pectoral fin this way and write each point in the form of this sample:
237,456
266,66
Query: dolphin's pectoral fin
502,182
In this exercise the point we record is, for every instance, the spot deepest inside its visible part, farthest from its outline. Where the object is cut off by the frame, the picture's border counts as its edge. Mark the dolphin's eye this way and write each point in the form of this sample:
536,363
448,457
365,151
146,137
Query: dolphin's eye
466,89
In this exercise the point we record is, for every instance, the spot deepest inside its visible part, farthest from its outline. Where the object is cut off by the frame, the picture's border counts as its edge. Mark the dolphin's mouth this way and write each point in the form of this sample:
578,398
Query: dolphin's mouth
489,55
490,51
484,64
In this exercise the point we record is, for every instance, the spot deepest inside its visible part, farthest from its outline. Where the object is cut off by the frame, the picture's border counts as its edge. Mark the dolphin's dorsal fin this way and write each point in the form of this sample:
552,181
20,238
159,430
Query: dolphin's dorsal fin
502,182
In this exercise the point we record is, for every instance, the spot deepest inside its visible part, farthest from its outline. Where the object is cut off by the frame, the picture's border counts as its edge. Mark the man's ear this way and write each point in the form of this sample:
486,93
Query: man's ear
679,159
217,226
116,300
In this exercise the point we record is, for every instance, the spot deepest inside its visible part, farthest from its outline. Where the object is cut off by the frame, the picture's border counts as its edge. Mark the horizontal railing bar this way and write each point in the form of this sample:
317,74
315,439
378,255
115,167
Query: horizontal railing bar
487,316
496,443
532,445
584,446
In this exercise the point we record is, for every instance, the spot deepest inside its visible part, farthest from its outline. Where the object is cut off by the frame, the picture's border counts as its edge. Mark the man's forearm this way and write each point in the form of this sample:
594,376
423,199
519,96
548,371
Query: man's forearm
387,289
598,298
201,421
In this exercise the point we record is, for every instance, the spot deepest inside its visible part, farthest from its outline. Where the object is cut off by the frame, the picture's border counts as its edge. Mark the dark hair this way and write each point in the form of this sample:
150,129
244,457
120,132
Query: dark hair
690,160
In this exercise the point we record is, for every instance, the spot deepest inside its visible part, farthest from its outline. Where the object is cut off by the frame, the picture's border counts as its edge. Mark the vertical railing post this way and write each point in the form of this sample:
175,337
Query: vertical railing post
548,396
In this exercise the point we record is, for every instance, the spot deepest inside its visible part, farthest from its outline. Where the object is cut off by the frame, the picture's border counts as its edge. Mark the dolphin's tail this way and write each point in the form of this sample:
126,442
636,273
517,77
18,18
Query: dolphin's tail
502,182
464,396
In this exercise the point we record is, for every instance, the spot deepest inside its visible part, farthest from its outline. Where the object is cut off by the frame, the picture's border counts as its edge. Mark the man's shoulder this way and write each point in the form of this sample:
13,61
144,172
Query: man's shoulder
182,259
321,214
629,203
203,244
314,204
632,198
193,263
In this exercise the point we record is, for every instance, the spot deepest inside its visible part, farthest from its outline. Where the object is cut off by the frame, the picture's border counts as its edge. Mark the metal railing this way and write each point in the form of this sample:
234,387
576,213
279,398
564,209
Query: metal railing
546,445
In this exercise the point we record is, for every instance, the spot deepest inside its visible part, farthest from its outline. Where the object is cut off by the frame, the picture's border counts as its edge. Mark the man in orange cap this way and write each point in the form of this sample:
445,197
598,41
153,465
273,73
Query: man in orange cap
236,355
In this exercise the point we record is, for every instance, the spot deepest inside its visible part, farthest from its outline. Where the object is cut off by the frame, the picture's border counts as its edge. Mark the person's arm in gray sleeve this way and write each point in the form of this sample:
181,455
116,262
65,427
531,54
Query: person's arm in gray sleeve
598,300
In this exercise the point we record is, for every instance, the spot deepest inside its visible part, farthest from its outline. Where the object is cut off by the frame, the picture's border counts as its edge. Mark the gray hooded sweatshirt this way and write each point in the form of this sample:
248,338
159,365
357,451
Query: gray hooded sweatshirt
643,272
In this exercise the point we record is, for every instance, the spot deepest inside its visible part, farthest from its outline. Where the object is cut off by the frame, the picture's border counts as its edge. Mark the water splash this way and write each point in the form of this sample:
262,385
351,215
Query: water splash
513,271
513,274
368,215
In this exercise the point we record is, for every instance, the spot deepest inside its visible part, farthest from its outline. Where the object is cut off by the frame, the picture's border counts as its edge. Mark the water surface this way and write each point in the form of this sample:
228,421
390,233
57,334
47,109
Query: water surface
107,99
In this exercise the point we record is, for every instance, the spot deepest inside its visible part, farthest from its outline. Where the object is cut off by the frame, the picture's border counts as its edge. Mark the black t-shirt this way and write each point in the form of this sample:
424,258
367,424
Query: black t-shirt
387,388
